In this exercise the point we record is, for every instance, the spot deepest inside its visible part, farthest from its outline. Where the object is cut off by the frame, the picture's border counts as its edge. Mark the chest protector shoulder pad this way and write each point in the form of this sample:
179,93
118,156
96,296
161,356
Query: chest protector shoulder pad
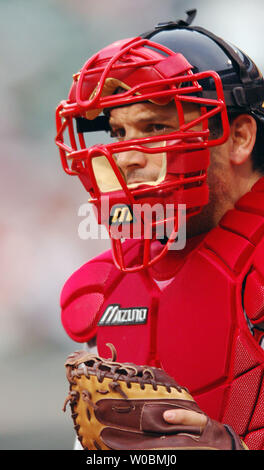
84,293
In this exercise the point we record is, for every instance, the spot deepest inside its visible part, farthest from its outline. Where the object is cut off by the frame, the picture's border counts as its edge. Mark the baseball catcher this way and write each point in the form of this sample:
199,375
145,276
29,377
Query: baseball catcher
178,182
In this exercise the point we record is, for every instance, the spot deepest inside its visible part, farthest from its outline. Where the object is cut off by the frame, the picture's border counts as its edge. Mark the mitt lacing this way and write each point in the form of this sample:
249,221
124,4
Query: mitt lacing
125,373
89,364
73,397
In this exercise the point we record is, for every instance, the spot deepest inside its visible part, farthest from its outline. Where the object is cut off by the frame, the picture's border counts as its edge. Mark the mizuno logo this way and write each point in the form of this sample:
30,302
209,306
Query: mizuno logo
114,315
121,214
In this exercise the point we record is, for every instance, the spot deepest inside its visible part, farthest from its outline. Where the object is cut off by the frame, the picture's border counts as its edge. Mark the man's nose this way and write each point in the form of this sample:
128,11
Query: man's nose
131,158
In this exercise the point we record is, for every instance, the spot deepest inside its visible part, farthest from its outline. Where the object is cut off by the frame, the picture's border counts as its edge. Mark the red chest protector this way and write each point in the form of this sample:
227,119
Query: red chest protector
194,326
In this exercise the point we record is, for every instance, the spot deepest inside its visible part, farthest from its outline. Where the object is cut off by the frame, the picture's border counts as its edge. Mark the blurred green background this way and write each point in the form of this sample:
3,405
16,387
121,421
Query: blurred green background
42,43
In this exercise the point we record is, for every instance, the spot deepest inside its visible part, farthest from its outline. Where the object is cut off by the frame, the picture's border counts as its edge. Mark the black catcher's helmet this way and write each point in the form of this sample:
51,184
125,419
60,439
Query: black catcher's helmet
242,81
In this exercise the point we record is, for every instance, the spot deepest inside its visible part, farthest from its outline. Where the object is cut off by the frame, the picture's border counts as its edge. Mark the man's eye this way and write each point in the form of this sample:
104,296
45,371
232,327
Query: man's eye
153,128
156,128
118,133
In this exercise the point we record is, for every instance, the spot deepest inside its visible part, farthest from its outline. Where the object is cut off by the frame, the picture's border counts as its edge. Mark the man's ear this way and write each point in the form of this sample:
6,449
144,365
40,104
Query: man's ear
243,132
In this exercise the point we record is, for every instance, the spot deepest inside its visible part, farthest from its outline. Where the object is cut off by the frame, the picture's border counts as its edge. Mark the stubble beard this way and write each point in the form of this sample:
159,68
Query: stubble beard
220,199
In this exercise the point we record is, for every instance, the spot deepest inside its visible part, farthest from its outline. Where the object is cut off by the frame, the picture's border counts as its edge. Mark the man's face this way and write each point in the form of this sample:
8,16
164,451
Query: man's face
148,119
145,120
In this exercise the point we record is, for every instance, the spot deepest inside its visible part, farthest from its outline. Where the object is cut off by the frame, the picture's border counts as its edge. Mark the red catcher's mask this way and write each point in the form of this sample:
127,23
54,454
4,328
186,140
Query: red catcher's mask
144,71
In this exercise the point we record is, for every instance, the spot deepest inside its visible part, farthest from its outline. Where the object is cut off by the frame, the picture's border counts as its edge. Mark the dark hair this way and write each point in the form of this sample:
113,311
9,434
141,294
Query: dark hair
257,155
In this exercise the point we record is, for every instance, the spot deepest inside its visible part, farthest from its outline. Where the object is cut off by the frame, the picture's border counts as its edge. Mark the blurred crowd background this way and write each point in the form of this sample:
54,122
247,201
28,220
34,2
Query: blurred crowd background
42,43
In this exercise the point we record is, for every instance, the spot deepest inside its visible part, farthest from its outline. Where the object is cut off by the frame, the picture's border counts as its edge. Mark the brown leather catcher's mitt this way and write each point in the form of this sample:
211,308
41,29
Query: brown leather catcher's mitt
120,406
